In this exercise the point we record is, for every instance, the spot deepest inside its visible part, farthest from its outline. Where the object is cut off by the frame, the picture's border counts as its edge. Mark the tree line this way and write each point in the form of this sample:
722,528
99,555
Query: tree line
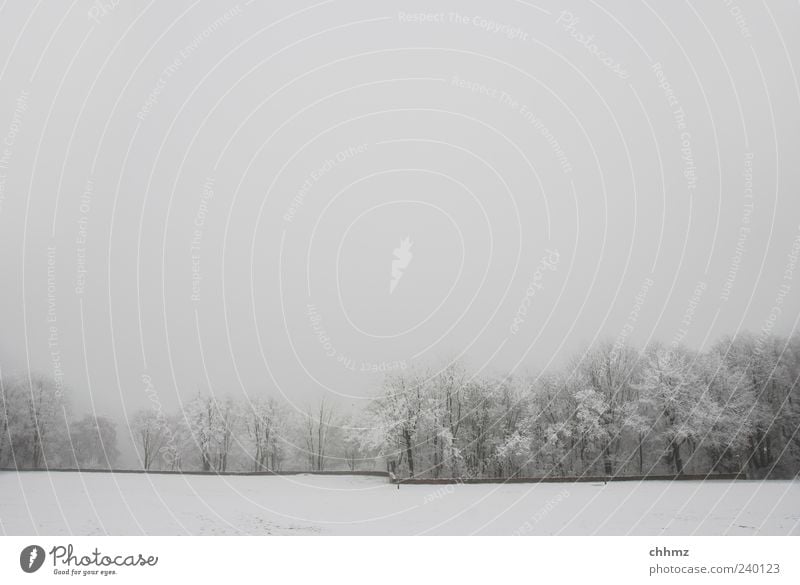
37,428
612,410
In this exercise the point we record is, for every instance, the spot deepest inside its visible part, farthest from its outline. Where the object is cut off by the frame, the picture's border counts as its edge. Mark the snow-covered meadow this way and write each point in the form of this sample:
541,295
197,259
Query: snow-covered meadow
62,503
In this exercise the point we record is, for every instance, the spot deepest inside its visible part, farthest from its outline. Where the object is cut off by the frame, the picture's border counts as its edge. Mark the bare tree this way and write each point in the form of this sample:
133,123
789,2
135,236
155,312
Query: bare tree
318,429
177,439
228,419
264,422
151,431
12,419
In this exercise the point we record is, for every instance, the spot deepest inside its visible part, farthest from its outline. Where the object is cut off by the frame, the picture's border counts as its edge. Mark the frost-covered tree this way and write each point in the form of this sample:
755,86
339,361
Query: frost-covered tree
352,430
396,418
151,430
35,417
265,422
229,419
765,368
724,440
212,425
177,442
13,421
681,406
94,442
611,371
318,427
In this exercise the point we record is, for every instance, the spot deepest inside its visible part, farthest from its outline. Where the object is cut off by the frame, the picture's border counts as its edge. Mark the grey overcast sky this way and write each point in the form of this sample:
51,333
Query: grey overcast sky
210,194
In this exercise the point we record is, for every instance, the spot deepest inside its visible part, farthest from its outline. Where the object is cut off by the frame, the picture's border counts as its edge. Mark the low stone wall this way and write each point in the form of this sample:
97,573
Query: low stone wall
220,473
413,481
579,479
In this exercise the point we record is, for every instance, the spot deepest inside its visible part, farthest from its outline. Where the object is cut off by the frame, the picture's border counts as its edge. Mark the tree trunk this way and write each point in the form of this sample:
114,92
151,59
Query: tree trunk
641,455
608,465
36,456
4,433
436,461
676,456
409,453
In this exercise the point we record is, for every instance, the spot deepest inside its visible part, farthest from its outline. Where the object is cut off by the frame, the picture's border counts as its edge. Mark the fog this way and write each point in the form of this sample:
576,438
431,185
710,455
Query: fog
294,198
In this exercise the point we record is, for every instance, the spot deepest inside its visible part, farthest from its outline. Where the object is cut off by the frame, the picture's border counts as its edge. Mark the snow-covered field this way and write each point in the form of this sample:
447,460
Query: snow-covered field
122,504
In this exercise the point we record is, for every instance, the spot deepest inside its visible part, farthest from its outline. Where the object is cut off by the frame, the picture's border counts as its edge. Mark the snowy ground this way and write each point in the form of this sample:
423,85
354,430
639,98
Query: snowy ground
121,504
